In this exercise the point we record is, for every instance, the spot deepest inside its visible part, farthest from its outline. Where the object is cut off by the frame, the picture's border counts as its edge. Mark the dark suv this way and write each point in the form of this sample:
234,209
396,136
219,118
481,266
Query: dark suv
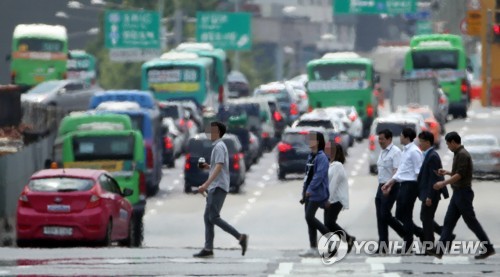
293,150
201,146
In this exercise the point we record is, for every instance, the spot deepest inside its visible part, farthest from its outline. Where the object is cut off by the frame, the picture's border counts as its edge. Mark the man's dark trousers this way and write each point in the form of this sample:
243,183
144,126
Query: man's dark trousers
408,193
461,205
383,205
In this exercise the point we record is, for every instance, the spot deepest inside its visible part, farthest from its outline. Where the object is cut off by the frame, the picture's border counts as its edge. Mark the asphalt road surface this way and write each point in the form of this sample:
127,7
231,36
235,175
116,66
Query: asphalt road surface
269,211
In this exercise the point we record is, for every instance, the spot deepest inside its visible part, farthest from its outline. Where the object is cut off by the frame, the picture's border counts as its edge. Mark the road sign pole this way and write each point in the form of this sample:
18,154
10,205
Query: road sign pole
489,26
236,53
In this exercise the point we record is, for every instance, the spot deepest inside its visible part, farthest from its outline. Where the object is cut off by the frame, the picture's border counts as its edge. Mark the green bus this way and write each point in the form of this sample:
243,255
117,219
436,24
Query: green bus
343,79
82,66
80,121
181,76
39,53
119,152
442,56
220,61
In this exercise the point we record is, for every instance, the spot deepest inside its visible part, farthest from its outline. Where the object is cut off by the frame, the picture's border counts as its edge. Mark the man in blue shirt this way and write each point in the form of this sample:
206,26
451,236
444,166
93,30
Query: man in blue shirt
315,191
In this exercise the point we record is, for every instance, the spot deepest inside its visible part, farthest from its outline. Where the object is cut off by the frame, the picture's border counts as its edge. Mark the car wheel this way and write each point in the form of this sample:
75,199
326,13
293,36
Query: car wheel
137,235
373,169
281,175
171,164
21,243
107,238
187,188
463,113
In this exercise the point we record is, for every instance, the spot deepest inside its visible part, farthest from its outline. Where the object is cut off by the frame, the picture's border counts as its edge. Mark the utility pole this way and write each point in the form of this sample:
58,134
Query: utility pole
163,33
489,41
178,26
236,52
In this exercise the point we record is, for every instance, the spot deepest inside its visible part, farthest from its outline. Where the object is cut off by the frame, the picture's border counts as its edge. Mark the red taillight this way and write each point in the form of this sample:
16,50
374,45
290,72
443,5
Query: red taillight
149,157
338,140
142,185
251,140
168,143
432,125
221,94
265,135
293,109
496,29
236,161
369,110
182,122
495,154
13,77
24,201
190,124
464,86
284,147
187,166
310,109
371,144
442,100
277,116
304,132
65,76
94,201
303,96
353,117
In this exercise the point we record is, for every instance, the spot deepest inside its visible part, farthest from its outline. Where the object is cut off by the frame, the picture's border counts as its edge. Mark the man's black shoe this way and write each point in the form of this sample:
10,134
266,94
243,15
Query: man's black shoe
350,243
433,252
489,251
244,244
204,254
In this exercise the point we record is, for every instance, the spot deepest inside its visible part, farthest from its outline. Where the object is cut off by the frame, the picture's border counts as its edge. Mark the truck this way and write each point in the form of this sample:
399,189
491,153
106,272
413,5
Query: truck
420,92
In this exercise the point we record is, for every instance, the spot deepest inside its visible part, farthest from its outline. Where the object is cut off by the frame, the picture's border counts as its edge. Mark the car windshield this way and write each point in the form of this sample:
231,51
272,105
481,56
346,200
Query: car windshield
62,184
200,148
297,138
92,148
280,94
435,59
46,87
327,124
339,72
395,128
480,142
170,111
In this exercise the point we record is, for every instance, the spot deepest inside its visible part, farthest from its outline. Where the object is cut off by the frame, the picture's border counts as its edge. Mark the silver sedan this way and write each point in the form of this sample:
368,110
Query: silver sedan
485,152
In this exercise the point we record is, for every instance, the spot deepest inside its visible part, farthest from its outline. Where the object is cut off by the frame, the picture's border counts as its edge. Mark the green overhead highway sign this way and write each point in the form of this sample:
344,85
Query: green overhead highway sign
132,29
374,6
229,31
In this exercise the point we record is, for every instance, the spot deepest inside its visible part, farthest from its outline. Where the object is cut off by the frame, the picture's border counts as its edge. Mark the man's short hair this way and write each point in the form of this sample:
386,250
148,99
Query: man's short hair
427,136
453,136
409,133
220,126
386,132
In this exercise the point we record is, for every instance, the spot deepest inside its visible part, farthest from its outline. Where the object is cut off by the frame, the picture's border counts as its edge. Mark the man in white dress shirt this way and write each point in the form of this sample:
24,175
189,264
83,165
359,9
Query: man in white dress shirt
407,175
387,165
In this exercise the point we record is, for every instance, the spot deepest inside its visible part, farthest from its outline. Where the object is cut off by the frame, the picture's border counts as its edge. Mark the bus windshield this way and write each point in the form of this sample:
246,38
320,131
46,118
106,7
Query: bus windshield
435,59
339,72
40,45
92,148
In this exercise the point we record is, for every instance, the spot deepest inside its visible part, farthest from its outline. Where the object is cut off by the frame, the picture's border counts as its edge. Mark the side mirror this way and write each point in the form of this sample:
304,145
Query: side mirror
376,79
470,69
8,57
127,192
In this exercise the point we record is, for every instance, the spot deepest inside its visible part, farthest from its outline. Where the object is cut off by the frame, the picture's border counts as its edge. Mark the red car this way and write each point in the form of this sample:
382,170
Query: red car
81,205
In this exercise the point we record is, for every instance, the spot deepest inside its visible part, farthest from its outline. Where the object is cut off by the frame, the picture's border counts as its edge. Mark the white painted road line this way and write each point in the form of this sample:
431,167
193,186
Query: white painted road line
283,269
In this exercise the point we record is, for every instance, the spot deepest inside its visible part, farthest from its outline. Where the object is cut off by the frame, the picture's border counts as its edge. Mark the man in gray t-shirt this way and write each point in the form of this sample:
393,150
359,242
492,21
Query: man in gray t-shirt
217,187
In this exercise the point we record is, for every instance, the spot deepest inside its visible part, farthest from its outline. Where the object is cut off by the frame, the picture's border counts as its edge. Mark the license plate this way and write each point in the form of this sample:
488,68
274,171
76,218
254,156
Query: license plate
57,231
59,208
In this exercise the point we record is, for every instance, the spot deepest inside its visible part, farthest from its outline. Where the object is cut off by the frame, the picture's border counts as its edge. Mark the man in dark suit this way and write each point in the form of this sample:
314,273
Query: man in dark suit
430,197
